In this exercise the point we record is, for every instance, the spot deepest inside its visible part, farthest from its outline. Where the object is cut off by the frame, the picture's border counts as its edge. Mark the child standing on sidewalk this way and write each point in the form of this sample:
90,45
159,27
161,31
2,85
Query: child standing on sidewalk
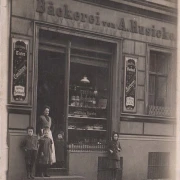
114,149
45,153
30,147
60,147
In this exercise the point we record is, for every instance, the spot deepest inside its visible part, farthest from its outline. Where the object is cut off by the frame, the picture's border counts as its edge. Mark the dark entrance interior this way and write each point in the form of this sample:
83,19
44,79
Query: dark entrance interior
50,91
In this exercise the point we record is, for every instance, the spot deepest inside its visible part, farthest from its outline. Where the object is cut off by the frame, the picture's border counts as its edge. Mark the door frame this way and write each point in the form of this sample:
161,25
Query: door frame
115,73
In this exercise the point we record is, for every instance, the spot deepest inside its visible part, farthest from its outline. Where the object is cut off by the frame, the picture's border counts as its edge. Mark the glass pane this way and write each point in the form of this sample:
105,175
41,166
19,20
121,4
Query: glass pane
151,100
151,84
152,63
161,87
162,63
160,102
88,101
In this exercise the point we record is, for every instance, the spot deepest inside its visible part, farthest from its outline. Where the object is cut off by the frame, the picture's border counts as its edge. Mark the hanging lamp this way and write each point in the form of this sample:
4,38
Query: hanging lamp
85,80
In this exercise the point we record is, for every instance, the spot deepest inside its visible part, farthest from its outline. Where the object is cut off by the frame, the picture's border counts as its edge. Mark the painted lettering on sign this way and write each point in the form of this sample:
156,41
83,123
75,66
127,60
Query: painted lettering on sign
19,89
129,26
130,84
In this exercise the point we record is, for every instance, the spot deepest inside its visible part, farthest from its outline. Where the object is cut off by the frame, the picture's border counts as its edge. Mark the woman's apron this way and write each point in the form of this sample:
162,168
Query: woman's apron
45,119
53,148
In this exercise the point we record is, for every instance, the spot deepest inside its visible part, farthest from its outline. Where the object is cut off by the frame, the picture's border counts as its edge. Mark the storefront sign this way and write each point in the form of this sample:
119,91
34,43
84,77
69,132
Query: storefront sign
124,25
130,84
19,70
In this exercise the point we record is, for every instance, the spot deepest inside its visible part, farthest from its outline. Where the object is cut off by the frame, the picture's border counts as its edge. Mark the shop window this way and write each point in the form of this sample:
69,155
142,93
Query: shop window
159,104
158,165
88,97
88,103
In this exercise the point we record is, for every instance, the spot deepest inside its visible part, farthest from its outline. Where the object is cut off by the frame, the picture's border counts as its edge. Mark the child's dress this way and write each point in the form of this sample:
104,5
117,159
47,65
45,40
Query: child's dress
45,151
60,150
114,157
44,122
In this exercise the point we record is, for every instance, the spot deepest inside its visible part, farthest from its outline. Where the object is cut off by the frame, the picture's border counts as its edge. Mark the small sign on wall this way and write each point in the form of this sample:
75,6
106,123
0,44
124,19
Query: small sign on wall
130,84
19,70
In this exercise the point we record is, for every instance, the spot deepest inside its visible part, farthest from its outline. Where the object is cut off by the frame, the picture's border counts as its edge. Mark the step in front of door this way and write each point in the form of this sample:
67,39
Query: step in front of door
57,171
61,178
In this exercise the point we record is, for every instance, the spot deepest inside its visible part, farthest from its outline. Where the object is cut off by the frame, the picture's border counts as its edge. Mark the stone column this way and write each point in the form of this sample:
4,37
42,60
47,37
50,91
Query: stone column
4,63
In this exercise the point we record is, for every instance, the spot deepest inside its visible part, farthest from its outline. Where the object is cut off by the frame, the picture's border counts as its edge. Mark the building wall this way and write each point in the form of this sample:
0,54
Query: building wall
16,167
89,164
4,46
24,17
135,151
135,155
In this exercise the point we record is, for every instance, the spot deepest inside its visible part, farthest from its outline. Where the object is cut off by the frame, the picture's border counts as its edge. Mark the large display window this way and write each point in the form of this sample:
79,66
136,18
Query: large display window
88,104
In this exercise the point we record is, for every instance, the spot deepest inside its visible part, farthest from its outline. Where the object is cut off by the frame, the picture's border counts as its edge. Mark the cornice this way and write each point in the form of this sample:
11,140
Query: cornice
137,7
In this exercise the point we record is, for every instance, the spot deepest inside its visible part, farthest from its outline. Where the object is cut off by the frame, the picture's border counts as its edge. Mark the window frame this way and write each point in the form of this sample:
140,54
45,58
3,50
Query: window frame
156,162
171,64
158,75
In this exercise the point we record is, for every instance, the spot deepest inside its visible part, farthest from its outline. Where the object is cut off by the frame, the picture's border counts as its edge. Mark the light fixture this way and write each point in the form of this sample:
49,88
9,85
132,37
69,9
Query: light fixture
85,80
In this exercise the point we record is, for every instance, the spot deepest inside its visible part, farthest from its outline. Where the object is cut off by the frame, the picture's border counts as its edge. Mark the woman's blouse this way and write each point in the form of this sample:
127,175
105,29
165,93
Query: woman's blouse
45,122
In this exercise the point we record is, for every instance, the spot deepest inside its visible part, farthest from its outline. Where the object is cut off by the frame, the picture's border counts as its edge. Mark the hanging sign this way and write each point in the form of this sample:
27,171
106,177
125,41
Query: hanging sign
130,83
19,70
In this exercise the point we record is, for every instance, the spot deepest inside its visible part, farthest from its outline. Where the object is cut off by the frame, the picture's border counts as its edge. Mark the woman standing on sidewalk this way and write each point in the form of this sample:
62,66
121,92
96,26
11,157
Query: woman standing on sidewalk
114,149
45,122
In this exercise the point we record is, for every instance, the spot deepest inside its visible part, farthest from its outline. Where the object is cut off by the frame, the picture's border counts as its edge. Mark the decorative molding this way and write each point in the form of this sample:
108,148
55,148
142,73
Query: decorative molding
147,138
144,9
147,118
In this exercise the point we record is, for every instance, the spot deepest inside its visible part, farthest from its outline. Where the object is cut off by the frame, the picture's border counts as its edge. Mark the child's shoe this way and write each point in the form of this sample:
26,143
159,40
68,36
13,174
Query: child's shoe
41,175
32,177
28,175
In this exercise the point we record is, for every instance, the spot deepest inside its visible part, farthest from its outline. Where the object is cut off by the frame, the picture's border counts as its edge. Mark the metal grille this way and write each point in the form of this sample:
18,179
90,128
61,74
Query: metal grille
87,147
104,172
159,111
158,165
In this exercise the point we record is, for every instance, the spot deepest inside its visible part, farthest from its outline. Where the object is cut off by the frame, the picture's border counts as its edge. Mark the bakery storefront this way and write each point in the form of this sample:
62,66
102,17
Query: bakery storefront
100,70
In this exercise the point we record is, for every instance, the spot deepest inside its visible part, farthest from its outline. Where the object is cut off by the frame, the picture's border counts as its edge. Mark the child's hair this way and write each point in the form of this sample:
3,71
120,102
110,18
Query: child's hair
60,132
113,133
29,127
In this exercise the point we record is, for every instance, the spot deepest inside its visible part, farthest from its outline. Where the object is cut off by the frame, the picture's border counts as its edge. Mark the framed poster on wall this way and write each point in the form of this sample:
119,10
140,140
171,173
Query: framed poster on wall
19,71
130,84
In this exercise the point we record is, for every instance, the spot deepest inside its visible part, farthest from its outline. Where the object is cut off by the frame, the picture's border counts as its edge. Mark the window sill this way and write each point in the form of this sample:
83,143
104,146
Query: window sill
145,118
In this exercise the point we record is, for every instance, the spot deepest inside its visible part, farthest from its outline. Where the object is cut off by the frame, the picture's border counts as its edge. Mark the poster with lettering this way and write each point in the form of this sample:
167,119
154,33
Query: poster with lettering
19,70
130,83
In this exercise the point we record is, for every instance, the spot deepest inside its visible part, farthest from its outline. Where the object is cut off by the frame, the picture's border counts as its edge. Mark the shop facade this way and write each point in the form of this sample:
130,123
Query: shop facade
100,69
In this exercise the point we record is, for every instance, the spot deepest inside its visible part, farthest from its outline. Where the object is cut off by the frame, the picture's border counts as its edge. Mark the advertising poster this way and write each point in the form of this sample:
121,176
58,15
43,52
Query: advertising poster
19,69
130,83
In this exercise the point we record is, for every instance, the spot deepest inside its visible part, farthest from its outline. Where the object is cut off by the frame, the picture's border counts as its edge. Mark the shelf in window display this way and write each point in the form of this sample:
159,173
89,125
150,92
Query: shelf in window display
85,117
79,129
88,107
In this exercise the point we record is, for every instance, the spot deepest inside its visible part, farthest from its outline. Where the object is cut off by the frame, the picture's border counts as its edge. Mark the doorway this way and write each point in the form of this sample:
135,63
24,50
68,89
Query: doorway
50,89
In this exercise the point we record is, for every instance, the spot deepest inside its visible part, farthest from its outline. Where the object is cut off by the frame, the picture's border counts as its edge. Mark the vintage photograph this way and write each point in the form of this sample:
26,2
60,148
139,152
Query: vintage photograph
89,90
